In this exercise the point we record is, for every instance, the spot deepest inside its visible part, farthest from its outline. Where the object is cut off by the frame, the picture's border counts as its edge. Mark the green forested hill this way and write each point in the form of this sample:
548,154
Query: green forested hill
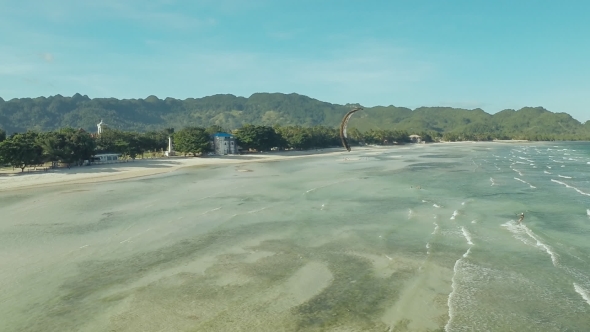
229,111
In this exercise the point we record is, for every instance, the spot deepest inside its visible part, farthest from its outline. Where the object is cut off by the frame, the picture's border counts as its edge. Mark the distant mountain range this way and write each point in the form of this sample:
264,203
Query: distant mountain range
229,111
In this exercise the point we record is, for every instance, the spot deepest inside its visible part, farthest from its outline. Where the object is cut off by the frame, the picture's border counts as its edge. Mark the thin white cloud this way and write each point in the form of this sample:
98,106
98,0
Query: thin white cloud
15,69
282,35
152,15
13,65
47,57
156,13
366,74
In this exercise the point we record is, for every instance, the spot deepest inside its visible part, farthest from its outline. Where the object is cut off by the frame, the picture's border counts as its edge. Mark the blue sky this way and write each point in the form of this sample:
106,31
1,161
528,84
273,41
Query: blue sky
466,53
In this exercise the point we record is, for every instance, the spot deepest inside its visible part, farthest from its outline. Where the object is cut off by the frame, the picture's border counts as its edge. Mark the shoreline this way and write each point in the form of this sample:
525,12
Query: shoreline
15,180
145,167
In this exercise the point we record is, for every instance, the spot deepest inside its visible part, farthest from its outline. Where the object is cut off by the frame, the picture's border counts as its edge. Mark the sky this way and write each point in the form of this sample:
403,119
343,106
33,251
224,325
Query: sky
491,55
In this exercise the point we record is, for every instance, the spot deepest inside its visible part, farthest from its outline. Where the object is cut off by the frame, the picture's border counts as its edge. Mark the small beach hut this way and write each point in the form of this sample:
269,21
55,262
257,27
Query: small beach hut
415,138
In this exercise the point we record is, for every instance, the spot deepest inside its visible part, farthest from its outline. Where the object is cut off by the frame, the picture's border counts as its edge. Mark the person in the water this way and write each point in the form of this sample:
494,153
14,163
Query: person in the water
521,218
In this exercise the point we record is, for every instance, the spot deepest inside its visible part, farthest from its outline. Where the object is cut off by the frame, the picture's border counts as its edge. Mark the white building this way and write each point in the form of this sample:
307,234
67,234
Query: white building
106,157
415,138
224,143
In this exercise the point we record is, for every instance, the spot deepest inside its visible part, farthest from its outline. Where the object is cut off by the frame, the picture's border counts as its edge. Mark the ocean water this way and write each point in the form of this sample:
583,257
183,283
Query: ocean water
410,238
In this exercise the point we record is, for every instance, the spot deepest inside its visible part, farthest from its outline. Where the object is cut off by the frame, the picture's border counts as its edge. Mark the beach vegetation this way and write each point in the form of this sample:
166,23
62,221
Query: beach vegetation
44,128
259,138
21,150
192,140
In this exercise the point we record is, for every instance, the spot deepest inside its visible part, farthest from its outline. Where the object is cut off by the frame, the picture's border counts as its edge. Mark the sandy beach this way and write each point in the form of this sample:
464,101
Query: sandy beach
11,180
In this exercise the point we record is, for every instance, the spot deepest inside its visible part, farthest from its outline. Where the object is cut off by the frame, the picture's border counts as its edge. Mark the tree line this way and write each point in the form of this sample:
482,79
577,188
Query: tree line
73,147
263,138
70,146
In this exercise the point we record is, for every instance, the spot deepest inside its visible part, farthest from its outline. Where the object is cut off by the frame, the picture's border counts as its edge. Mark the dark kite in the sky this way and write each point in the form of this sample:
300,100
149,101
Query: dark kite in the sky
343,126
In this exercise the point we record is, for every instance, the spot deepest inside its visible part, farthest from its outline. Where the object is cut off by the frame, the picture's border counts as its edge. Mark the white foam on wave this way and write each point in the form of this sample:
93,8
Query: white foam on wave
564,176
435,228
473,221
410,213
492,181
436,205
546,172
327,185
584,293
518,232
571,187
588,212
258,210
541,244
518,229
451,295
523,181
549,167
467,236
517,179
467,253
455,213
517,171
454,287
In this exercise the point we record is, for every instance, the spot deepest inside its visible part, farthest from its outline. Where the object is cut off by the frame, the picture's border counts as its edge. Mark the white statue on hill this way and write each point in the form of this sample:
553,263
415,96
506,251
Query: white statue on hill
99,125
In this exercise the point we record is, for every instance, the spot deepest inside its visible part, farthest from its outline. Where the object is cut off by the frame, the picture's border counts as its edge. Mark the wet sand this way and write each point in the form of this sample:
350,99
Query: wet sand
204,244
10,179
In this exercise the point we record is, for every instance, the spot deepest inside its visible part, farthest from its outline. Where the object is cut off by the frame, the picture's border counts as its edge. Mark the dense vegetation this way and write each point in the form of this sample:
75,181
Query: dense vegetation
72,147
272,109
43,128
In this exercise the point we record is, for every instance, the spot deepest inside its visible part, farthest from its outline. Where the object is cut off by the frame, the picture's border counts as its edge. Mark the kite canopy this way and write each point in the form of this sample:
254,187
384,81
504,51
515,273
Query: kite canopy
343,126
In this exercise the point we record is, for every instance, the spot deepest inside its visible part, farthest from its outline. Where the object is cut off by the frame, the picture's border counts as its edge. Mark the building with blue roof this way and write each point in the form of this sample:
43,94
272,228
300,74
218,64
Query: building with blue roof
224,144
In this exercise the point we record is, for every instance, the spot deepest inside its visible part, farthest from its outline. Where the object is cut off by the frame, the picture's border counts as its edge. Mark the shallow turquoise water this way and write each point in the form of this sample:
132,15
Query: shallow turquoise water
420,238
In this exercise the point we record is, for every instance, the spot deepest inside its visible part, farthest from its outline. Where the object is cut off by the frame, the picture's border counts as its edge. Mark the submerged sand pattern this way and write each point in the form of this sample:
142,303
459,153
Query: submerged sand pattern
309,244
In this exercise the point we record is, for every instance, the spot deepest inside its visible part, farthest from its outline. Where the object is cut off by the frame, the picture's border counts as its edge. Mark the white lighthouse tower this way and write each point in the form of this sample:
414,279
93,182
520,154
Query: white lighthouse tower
170,151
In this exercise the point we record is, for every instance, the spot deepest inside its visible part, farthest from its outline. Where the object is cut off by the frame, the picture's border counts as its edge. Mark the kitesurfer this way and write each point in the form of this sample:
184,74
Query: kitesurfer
521,218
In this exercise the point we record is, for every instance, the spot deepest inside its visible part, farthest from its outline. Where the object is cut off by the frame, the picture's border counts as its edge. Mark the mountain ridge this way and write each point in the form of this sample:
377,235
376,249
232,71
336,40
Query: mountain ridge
230,111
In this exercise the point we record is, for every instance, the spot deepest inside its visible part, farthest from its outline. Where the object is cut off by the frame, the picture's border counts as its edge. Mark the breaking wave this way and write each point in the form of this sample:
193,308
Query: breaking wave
571,187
